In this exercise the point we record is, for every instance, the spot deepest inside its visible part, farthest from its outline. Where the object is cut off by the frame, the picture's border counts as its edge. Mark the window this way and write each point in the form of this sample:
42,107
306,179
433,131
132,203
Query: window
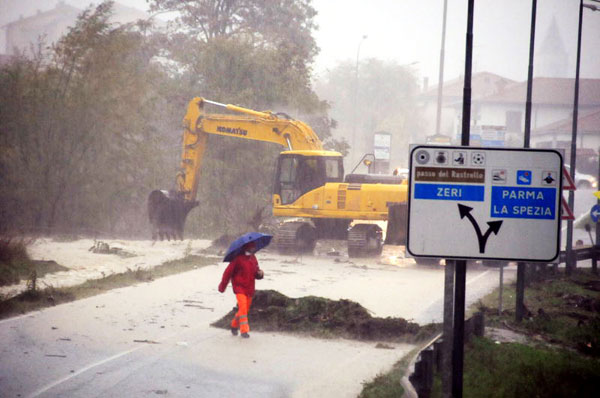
332,170
286,184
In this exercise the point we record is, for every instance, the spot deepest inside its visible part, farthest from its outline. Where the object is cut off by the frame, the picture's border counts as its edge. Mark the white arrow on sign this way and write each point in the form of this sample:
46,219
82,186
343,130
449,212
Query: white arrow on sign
595,213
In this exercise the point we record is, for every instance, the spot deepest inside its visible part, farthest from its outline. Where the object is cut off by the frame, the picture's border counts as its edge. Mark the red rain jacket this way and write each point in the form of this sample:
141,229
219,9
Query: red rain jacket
242,272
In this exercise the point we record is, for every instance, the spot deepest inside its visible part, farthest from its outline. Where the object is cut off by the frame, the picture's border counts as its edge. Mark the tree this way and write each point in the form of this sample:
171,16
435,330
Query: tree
90,127
256,54
383,100
78,128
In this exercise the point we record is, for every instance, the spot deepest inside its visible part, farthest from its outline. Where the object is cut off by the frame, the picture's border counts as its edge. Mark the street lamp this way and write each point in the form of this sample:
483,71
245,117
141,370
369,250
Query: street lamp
355,120
363,38
571,202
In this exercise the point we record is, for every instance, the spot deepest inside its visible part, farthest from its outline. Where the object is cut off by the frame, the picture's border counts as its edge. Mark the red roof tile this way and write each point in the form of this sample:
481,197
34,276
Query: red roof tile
589,122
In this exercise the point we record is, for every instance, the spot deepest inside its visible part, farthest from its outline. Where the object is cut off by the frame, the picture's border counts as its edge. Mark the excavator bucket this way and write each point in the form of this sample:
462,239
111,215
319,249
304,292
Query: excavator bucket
397,221
167,211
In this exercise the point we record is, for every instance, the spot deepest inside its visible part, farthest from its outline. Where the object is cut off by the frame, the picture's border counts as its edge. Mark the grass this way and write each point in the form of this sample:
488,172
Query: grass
517,370
34,299
563,361
387,385
15,264
560,310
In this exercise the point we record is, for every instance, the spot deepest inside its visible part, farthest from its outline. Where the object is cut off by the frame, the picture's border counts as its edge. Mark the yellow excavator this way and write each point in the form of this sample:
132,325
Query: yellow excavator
310,190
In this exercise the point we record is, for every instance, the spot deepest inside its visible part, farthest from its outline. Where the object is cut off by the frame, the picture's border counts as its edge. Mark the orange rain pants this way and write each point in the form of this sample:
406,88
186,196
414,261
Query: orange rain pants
241,317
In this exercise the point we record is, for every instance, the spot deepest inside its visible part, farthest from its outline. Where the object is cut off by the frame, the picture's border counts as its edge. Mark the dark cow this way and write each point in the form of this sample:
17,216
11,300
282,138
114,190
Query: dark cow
167,212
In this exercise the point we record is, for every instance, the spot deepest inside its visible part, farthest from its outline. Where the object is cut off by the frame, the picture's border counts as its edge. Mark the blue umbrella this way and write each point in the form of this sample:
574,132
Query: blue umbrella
235,248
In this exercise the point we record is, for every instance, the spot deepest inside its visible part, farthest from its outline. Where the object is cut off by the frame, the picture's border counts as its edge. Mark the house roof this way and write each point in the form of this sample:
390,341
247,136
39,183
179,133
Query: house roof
482,84
121,14
59,10
589,122
550,91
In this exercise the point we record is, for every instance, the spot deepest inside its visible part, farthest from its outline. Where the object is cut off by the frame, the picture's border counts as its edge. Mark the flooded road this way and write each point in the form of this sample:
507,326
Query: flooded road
156,338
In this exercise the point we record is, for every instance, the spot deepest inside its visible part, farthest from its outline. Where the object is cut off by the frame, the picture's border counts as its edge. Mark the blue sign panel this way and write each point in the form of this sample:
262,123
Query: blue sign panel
523,177
595,213
474,193
524,202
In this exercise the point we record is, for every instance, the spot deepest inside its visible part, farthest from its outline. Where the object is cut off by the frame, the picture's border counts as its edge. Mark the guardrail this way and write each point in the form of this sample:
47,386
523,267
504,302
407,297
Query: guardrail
583,253
429,359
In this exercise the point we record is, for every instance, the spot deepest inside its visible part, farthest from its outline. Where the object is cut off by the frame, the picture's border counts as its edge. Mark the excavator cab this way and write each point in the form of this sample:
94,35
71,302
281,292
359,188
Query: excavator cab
299,172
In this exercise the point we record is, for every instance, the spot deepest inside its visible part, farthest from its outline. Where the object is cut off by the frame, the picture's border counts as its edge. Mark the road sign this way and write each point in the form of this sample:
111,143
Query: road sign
568,185
493,203
567,213
597,194
595,213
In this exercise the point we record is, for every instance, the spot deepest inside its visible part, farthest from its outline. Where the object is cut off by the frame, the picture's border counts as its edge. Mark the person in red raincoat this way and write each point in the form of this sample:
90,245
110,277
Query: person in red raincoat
243,270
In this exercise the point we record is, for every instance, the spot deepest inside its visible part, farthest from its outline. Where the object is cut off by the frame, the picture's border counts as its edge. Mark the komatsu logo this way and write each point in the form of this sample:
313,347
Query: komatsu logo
232,130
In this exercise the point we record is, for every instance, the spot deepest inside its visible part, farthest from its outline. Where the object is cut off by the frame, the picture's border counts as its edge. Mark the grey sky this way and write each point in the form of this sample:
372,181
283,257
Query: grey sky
409,31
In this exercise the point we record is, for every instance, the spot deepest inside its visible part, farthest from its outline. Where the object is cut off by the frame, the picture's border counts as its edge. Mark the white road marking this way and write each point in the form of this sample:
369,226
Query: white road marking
82,370
109,359
478,277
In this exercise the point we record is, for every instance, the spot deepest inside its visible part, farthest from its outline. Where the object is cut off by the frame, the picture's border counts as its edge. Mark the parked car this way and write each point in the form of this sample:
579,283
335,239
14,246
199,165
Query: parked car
584,181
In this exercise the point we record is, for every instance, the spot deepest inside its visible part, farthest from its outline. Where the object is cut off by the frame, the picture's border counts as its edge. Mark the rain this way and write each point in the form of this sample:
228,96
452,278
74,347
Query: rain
141,140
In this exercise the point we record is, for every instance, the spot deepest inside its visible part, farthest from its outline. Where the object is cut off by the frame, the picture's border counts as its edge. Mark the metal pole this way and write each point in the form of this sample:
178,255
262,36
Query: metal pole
520,306
450,264
461,265
571,263
355,121
448,329
438,120
597,247
501,289
459,327
520,297
526,143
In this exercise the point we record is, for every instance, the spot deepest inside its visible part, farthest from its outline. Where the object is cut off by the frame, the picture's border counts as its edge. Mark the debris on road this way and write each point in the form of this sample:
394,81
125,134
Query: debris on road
199,306
320,317
100,247
146,341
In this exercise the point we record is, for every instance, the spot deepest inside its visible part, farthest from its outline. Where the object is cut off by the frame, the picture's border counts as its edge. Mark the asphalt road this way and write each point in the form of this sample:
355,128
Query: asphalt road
155,338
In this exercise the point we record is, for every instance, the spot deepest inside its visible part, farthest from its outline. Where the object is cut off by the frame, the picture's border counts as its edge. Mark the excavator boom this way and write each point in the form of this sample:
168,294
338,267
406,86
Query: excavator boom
168,210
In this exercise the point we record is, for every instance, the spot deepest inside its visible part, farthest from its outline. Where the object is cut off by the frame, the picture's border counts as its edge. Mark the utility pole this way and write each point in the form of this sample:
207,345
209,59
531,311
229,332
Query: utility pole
520,299
355,118
461,265
571,262
449,269
438,120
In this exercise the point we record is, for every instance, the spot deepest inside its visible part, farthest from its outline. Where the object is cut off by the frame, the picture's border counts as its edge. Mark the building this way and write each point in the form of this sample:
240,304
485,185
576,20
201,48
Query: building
24,34
483,84
551,58
558,135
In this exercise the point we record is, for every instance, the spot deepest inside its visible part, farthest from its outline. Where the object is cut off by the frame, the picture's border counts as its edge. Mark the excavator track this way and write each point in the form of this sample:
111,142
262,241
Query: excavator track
365,240
295,237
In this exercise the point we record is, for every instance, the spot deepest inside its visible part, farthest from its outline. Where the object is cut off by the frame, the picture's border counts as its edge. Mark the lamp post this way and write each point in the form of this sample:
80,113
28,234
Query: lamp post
520,290
438,119
571,262
355,120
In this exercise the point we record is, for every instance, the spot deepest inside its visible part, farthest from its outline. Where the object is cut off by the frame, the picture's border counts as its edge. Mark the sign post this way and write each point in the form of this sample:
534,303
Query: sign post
484,203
